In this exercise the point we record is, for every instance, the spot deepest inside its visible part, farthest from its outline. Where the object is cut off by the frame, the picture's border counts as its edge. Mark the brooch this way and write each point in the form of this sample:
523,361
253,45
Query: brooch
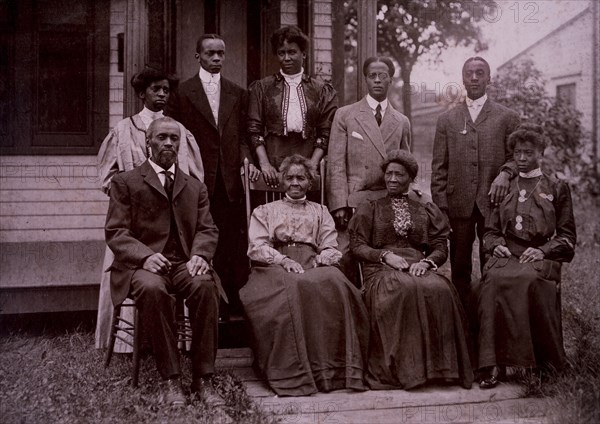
519,224
547,196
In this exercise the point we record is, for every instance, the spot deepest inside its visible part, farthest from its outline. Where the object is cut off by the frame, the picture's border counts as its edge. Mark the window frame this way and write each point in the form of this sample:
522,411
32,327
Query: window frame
570,89
23,137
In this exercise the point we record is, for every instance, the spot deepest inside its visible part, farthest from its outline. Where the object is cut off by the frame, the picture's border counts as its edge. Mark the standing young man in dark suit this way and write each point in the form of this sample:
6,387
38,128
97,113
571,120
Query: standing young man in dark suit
214,110
471,167
163,237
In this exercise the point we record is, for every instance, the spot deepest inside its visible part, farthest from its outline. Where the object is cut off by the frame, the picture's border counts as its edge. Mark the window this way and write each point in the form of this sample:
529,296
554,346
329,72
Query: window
54,71
567,93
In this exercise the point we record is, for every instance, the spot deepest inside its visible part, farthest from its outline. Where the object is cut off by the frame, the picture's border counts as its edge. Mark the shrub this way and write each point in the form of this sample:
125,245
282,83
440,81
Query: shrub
521,87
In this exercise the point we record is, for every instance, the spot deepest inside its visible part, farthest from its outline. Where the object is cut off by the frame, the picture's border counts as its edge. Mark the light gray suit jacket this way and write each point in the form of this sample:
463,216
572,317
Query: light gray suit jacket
467,157
357,146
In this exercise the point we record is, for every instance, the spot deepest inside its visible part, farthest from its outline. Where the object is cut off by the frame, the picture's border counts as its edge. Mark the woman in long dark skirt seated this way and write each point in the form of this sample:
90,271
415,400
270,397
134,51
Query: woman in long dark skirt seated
528,235
417,324
309,322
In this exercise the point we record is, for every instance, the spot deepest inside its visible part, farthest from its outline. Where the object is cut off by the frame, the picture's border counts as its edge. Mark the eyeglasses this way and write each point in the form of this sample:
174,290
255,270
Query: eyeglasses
382,75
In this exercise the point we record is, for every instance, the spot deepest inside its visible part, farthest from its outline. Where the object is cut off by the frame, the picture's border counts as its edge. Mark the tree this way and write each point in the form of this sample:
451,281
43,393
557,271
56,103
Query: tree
410,29
521,87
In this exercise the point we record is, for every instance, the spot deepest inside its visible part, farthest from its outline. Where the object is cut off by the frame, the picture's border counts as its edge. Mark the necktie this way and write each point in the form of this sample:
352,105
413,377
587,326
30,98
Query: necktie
168,183
378,114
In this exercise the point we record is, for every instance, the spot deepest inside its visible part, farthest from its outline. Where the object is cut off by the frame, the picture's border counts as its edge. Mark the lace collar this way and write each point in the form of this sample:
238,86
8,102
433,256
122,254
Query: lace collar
537,172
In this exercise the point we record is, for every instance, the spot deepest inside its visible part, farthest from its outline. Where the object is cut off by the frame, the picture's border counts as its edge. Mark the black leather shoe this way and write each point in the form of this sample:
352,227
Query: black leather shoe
174,396
204,388
488,382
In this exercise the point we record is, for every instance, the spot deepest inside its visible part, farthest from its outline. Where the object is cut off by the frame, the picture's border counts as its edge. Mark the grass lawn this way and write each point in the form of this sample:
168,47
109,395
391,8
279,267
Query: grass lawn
62,379
575,394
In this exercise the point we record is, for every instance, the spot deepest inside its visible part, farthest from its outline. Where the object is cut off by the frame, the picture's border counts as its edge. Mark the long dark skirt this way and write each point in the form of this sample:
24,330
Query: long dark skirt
417,330
310,330
519,314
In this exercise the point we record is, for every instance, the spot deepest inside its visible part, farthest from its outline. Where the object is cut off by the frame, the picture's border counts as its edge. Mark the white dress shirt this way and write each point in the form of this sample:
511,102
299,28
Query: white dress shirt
294,112
159,171
212,88
147,116
373,105
475,106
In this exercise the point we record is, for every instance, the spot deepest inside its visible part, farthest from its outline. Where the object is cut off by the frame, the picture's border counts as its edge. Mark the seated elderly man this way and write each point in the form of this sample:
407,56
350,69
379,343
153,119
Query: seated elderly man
163,237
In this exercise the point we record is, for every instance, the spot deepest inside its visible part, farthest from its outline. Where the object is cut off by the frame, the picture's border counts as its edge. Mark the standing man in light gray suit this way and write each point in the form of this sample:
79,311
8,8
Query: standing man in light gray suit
362,134
471,168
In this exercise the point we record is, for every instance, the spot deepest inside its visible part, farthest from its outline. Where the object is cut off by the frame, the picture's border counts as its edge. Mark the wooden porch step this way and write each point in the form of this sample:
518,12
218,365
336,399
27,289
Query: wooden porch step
432,403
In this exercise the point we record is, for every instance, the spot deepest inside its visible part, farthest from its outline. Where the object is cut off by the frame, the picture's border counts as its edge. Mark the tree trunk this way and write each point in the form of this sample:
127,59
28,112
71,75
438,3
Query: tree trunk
405,72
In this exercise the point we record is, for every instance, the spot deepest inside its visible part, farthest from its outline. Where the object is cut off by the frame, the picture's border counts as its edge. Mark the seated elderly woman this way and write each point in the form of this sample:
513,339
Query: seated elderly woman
528,235
309,322
417,324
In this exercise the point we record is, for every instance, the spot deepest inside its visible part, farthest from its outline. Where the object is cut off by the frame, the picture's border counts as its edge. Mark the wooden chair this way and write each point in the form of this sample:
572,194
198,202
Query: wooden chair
132,331
275,193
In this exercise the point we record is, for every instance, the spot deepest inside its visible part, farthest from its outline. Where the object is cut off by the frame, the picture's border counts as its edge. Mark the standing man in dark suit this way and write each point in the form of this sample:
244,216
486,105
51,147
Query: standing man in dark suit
163,237
362,135
214,110
471,167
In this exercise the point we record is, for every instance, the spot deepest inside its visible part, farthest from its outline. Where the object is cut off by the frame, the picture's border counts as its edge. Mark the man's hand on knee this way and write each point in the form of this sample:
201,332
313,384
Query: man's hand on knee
197,266
157,264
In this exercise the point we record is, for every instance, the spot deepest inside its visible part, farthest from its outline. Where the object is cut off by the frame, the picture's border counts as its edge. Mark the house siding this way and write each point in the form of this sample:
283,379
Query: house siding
322,32
561,63
57,198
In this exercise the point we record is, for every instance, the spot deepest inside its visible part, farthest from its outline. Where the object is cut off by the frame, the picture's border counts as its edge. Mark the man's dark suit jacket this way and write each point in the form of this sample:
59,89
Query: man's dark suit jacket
224,146
138,222
467,157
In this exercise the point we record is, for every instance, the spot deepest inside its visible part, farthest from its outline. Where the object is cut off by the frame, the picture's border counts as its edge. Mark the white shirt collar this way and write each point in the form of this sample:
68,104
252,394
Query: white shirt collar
477,103
158,169
537,172
148,114
207,77
373,103
295,200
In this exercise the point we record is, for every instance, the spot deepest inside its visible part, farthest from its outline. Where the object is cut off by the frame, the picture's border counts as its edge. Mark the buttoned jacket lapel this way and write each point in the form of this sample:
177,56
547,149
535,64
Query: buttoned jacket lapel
180,182
366,120
389,124
483,113
200,101
226,103
151,178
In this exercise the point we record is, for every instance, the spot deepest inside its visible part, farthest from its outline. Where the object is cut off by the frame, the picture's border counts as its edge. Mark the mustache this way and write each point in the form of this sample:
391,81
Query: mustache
167,150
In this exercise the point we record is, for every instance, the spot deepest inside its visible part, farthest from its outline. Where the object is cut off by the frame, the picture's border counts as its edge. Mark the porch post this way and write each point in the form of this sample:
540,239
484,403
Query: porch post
367,39
136,51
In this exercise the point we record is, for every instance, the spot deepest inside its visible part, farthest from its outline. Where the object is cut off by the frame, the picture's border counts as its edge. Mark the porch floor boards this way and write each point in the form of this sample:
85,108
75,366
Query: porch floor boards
429,404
